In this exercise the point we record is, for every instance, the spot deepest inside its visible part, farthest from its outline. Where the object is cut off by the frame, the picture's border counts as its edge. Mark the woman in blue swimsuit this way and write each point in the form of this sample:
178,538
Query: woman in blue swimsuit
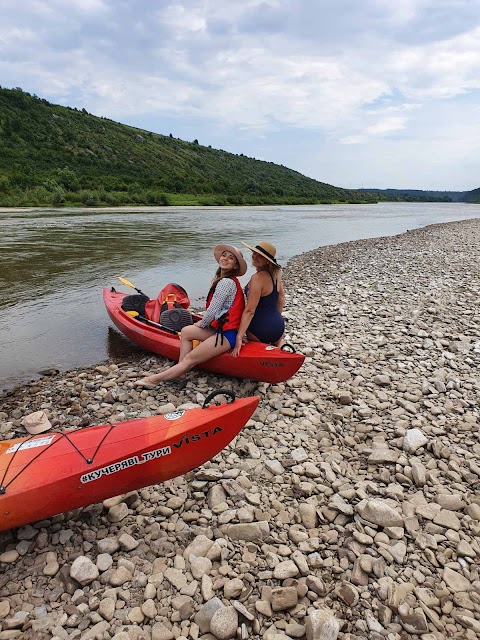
262,319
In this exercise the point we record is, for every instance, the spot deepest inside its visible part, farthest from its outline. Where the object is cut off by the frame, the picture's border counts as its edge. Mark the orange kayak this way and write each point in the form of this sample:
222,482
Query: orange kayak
51,473
257,361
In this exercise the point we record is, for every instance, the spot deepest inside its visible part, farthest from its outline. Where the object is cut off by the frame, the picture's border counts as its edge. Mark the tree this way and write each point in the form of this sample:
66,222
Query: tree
4,184
68,179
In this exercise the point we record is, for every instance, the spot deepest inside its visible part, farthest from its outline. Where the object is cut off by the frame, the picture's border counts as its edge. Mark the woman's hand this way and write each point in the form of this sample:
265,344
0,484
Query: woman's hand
237,348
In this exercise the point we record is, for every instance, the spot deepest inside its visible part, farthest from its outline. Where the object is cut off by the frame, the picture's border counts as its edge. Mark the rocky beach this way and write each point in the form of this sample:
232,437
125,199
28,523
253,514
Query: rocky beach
349,505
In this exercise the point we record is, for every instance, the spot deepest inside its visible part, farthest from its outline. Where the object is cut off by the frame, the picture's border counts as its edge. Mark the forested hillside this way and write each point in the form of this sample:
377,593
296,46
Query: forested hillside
472,196
54,155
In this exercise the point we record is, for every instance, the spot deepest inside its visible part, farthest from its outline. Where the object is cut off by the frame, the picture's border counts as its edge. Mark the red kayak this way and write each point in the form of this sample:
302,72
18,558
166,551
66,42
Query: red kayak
257,361
51,473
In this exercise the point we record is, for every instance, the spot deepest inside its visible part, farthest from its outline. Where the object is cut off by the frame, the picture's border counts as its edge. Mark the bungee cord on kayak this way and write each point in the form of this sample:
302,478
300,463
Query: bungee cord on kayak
90,460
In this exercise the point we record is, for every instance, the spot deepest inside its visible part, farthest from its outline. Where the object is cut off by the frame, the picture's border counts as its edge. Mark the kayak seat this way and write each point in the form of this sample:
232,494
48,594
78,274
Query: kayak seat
176,319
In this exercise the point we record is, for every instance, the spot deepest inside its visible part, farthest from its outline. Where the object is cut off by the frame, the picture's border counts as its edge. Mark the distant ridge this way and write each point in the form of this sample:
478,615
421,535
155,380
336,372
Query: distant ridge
436,196
472,196
54,155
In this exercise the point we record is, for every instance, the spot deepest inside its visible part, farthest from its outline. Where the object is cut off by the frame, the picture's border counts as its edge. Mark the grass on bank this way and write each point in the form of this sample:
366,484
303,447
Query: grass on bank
42,197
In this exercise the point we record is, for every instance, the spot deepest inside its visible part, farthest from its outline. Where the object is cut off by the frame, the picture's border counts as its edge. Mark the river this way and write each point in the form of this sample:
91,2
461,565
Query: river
54,263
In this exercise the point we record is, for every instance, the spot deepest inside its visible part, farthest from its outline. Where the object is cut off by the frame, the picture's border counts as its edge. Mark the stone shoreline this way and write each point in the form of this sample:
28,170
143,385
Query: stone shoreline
348,507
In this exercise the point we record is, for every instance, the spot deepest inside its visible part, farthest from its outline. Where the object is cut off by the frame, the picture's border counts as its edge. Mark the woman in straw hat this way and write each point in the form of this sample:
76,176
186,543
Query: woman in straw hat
217,330
262,318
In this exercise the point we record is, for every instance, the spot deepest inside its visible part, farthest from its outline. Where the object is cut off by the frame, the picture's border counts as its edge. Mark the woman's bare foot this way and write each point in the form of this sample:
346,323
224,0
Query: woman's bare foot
145,383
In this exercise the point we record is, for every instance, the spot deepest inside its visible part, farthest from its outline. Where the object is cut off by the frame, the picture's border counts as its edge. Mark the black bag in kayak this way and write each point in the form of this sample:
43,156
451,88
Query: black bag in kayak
135,302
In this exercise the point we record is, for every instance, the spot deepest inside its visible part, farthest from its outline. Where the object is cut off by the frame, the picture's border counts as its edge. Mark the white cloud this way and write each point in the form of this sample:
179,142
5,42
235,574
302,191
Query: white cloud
182,21
441,69
387,125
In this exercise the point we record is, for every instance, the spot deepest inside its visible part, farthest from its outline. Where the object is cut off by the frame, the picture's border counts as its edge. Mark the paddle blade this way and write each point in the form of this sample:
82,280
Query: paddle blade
132,314
127,282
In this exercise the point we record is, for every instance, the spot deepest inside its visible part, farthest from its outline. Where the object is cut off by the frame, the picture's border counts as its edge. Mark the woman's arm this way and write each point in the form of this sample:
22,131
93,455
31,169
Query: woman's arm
222,298
254,294
281,293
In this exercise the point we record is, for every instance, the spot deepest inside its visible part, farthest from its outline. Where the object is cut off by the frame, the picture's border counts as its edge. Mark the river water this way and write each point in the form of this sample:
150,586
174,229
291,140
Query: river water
54,263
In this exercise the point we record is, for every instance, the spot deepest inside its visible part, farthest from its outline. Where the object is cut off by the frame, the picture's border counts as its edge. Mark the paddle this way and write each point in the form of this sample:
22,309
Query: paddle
137,316
129,284
156,324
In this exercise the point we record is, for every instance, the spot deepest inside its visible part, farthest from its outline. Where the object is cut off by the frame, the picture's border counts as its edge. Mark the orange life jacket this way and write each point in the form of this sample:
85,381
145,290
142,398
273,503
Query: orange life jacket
231,318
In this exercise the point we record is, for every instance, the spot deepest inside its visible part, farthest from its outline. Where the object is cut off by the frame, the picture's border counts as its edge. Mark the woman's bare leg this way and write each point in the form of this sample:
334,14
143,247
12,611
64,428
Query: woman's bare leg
205,351
188,335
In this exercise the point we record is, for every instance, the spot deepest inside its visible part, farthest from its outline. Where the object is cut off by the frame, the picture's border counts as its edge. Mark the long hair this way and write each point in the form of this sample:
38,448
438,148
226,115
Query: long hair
227,274
273,269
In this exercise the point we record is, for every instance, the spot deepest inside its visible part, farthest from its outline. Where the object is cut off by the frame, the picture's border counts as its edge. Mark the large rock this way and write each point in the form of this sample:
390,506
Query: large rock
205,614
447,519
248,531
379,512
160,632
284,598
455,581
413,440
224,623
286,569
83,570
322,625
199,547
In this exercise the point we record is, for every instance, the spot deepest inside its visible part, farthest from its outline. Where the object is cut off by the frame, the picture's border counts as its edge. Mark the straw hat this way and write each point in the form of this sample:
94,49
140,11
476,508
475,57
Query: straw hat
265,249
220,248
37,422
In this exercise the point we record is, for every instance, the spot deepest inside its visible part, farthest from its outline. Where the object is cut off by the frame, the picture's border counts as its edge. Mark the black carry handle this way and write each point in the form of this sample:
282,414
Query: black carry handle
156,324
219,392
288,347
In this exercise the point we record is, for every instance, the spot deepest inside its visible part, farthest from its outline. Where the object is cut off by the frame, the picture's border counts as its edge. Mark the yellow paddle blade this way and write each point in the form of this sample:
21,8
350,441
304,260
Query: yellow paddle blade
132,314
127,282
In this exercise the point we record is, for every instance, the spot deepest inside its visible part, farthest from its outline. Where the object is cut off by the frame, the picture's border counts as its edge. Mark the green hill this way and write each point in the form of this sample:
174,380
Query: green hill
472,196
54,155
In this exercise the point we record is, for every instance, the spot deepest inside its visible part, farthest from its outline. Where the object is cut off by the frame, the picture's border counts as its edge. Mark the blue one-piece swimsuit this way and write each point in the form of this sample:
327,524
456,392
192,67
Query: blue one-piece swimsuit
267,323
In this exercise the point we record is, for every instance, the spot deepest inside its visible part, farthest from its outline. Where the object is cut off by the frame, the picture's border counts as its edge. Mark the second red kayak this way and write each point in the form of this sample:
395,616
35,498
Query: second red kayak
257,361
53,472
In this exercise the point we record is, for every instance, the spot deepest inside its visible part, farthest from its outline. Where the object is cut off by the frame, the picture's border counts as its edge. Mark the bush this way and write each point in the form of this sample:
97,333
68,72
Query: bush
4,184
90,199
58,196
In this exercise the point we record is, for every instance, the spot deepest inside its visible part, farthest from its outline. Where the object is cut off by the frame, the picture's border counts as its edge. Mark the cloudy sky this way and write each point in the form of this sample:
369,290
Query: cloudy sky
373,93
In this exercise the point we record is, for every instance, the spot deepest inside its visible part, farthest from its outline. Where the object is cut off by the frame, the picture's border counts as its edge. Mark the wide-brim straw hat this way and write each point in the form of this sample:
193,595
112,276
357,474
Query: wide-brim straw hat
242,265
37,422
265,249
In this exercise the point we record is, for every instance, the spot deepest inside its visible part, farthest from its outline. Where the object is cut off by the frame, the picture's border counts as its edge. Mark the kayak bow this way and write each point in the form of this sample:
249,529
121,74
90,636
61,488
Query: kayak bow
51,473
